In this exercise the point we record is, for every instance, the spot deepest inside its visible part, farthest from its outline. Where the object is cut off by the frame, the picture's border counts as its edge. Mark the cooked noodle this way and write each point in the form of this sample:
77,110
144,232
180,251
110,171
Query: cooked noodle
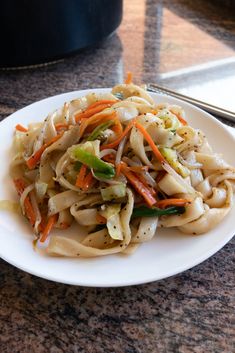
119,165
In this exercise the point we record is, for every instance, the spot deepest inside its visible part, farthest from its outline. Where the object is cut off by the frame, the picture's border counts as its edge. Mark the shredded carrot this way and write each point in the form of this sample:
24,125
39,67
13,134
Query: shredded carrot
81,176
143,190
100,219
21,128
138,168
35,158
94,119
151,143
50,224
184,122
118,169
171,202
20,186
119,139
109,158
129,78
90,111
88,181
117,127
103,101
60,126
143,180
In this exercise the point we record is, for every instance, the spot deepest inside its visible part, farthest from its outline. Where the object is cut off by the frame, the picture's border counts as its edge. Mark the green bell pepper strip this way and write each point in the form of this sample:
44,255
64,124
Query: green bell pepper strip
155,212
99,129
77,166
101,168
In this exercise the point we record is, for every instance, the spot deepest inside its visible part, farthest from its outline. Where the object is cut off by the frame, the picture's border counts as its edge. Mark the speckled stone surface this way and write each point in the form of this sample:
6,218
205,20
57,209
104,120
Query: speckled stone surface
192,312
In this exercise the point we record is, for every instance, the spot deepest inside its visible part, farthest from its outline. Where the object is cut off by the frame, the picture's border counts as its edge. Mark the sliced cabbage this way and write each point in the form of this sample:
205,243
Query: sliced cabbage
111,213
113,192
171,156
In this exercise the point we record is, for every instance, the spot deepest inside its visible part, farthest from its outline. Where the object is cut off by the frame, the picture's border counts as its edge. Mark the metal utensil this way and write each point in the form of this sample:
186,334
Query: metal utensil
226,114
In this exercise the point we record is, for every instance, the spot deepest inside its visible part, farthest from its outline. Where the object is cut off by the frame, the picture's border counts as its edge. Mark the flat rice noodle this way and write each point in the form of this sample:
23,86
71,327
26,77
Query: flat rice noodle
87,217
64,220
63,200
49,127
211,161
146,231
126,111
193,211
218,197
69,138
211,217
63,246
128,90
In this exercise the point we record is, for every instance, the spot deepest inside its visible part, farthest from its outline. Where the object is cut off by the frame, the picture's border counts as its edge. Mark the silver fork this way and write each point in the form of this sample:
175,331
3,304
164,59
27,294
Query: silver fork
226,114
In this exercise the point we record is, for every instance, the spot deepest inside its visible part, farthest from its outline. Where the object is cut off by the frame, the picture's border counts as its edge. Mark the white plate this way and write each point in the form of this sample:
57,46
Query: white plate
167,254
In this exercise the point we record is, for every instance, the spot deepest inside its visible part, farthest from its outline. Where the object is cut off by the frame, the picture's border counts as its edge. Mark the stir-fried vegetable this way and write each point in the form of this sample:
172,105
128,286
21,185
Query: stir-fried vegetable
50,224
111,213
21,128
97,132
101,168
144,211
113,192
119,139
103,160
30,213
142,189
171,156
35,158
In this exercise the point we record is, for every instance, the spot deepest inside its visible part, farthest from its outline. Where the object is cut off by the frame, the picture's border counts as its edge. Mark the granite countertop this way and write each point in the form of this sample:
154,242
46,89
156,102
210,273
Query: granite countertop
186,45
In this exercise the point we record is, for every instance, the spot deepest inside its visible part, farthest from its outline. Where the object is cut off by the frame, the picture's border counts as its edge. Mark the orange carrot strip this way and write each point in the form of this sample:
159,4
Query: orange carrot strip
109,158
97,118
184,122
35,158
81,176
103,101
100,219
29,211
117,128
129,78
139,186
88,181
138,168
61,126
119,139
21,128
20,186
171,202
151,189
92,111
50,224
118,169
151,143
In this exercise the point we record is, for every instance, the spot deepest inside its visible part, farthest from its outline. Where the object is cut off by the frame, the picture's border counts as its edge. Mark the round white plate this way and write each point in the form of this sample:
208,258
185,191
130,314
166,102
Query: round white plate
169,253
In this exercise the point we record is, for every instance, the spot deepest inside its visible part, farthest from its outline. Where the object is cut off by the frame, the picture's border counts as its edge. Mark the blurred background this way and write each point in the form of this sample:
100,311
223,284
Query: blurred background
185,45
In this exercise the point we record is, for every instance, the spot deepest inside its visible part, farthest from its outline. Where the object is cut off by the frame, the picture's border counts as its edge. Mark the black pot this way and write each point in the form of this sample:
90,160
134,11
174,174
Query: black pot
39,31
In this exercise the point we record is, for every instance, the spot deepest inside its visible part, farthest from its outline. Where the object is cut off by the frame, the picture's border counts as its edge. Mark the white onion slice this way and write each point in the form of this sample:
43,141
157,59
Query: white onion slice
120,151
